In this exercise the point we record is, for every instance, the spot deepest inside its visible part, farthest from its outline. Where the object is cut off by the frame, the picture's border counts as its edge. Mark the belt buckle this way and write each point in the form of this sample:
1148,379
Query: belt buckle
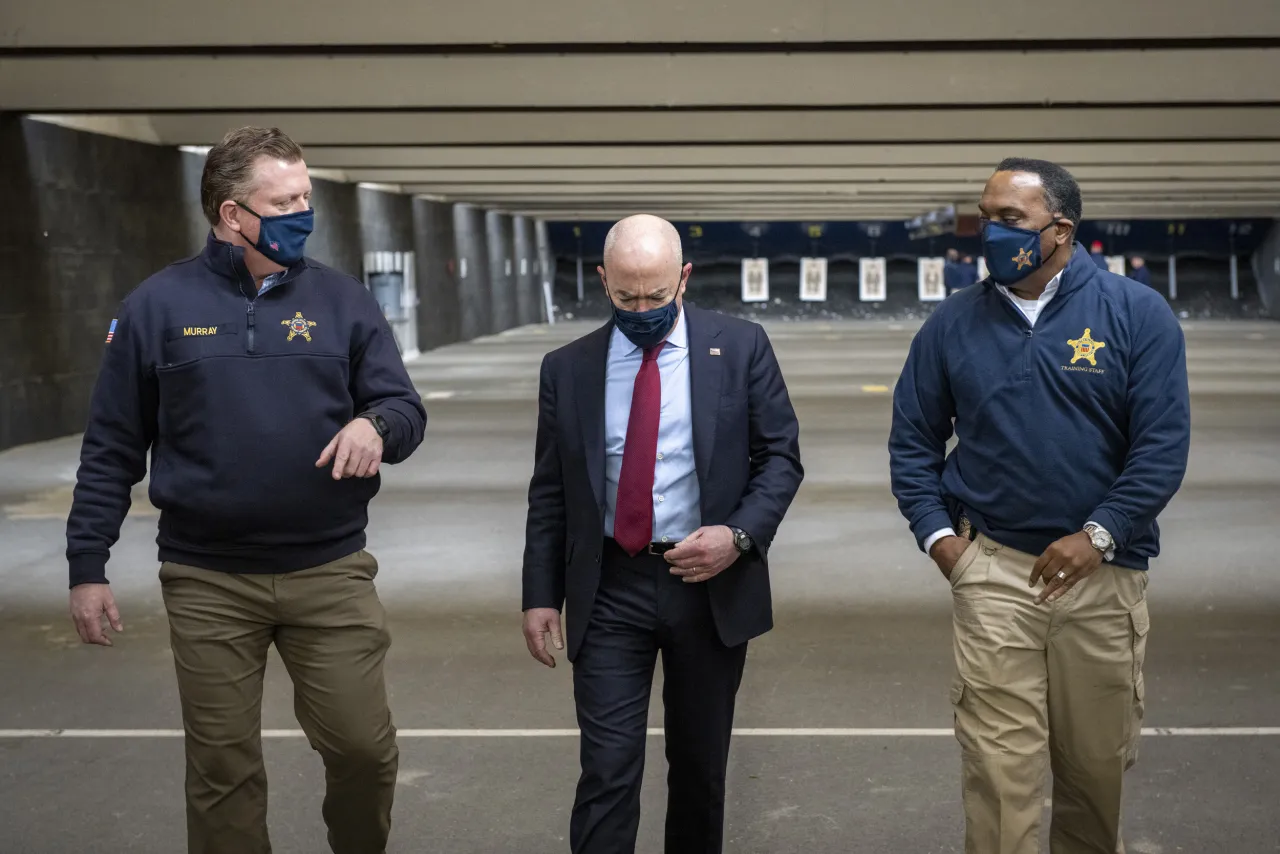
653,549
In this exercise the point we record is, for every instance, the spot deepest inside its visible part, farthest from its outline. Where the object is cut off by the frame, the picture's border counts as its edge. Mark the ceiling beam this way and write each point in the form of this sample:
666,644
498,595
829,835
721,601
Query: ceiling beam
983,155
497,22
194,82
802,175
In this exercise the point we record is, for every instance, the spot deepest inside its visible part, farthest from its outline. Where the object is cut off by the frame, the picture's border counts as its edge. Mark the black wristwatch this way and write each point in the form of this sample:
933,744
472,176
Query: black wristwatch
742,540
379,424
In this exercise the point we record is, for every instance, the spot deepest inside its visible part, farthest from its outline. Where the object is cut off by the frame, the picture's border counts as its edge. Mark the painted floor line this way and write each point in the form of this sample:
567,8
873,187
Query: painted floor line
746,732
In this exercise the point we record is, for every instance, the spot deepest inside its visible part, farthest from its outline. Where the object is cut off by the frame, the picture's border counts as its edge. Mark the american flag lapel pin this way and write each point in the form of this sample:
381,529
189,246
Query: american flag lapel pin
715,351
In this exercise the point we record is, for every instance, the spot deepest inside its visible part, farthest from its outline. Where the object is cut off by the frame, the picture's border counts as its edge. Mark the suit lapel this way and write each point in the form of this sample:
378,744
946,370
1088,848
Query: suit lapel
590,392
705,373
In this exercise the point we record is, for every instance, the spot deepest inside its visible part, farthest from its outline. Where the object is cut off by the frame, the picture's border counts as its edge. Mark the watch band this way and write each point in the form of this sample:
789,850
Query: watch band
379,423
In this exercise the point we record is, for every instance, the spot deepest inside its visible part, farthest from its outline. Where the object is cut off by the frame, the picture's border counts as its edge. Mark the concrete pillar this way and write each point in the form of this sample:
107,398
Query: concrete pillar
388,267
473,272
546,271
1173,277
528,287
337,240
435,250
502,270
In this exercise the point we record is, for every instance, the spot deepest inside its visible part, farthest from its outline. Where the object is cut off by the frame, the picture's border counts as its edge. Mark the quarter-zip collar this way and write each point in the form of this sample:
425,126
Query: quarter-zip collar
1079,272
227,261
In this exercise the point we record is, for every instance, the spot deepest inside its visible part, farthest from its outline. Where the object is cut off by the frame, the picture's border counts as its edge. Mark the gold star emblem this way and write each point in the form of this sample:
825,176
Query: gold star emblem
1023,257
1086,348
298,325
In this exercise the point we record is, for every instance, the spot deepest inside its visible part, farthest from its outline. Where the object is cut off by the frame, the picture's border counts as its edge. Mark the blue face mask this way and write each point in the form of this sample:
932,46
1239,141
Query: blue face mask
1012,253
647,329
283,238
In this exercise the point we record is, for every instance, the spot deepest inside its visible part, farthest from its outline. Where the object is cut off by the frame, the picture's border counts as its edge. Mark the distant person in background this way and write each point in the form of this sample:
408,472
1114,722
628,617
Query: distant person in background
951,271
968,272
1140,273
1099,258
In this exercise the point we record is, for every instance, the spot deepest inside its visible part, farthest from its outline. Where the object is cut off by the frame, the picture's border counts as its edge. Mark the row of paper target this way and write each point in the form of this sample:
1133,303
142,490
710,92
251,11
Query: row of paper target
871,279
931,287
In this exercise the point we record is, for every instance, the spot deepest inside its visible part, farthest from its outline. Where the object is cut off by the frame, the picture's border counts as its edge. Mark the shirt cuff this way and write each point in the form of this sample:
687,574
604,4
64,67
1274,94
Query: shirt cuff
1109,554
937,535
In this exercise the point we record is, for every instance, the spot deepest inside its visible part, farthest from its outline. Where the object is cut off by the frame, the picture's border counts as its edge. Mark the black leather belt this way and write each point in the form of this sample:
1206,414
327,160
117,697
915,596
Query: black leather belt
651,549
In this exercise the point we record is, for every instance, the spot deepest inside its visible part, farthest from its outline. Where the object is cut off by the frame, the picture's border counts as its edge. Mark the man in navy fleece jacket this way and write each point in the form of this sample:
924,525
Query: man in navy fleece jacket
1066,388
269,391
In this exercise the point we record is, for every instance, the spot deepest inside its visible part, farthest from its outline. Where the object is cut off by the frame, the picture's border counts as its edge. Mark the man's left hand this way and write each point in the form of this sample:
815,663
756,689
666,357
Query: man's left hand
1064,565
356,451
704,554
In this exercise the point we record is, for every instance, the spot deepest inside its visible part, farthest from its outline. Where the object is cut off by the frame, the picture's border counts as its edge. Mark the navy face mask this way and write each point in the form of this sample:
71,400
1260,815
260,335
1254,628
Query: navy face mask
1012,253
647,329
283,238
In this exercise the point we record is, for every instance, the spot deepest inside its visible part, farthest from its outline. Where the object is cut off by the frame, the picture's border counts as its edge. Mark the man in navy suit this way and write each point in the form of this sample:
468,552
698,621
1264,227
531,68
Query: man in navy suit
667,455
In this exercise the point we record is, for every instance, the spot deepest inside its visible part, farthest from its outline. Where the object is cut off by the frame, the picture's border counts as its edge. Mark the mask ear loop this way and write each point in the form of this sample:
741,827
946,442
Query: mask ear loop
1056,246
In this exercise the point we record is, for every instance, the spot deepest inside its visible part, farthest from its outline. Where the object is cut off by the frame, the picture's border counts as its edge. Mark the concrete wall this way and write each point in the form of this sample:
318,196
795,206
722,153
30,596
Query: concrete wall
502,270
385,221
436,248
84,218
474,287
336,240
1265,267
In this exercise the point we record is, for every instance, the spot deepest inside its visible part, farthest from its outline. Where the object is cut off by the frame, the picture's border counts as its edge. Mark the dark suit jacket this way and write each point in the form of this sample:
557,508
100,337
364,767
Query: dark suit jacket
746,448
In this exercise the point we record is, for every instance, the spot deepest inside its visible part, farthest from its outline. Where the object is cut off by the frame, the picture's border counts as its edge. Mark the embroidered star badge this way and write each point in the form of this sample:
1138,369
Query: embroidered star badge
1086,348
298,325
1023,258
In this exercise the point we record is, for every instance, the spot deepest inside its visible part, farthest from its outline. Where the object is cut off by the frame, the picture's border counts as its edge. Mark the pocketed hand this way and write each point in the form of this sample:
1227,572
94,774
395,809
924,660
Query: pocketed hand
946,553
356,451
704,554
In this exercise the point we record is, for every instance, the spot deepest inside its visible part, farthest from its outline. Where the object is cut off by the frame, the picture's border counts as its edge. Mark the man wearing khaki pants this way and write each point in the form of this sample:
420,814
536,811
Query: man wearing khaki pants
1066,386
268,390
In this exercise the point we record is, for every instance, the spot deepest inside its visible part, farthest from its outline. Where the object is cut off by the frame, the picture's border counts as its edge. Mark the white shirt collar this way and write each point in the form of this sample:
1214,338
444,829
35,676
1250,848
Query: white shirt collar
1049,290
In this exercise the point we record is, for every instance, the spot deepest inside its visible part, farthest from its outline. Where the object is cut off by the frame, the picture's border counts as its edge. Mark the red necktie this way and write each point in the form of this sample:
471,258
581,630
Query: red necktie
633,516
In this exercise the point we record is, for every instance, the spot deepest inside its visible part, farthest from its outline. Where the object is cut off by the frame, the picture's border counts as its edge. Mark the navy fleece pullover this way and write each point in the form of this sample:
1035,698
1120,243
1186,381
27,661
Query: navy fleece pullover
1083,417
235,395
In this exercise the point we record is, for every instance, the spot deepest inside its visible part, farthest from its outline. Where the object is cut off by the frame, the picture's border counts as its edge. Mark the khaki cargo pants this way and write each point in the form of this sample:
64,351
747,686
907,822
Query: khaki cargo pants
1051,687
330,630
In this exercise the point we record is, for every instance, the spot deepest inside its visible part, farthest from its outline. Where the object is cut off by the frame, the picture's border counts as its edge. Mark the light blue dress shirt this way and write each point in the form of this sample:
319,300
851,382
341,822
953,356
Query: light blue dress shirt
677,509
269,282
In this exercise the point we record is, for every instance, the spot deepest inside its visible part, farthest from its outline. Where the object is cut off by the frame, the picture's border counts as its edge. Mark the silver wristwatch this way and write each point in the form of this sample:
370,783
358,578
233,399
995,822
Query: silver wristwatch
1099,538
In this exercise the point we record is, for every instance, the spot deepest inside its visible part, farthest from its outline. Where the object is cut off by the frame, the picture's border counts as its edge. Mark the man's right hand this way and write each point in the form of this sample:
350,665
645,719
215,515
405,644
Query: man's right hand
538,623
946,553
88,603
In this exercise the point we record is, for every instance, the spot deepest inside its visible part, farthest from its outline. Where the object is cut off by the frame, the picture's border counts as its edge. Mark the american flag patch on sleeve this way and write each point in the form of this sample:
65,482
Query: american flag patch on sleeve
111,333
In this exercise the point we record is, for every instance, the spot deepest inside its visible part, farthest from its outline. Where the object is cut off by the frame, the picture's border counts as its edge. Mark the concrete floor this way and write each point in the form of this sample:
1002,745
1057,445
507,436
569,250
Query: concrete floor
862,638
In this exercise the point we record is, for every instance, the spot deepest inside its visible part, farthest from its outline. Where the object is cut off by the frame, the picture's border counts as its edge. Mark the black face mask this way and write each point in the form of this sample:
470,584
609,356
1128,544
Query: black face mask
647,329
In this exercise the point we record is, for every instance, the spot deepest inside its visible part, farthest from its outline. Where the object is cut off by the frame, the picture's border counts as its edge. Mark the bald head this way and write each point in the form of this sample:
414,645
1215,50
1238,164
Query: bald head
643,263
